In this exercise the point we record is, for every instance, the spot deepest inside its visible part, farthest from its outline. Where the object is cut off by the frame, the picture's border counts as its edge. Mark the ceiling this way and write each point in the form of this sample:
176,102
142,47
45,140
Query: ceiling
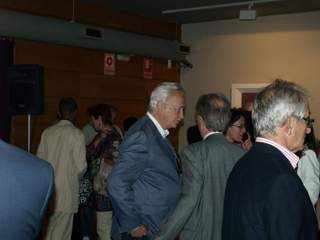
214,9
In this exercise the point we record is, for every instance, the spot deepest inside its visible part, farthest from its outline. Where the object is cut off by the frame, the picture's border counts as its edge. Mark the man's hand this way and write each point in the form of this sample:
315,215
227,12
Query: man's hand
139,231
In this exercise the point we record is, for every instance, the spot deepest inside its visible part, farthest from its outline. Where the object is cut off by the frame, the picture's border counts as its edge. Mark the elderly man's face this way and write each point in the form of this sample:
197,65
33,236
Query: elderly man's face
172,110
299,131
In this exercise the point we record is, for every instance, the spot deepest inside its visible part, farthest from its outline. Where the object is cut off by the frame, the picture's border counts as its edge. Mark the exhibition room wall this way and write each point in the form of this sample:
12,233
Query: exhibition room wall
252,52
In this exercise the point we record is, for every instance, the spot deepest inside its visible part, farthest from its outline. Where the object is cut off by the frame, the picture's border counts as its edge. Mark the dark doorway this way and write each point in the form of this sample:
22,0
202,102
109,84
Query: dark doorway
6,60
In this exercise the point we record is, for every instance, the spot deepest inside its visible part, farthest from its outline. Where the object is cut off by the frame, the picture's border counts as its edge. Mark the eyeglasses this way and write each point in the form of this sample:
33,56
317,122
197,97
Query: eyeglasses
176,109
239,126
309,121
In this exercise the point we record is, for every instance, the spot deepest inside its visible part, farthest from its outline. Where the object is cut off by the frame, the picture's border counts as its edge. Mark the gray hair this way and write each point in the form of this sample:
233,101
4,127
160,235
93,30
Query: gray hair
276,103
216,116
161,93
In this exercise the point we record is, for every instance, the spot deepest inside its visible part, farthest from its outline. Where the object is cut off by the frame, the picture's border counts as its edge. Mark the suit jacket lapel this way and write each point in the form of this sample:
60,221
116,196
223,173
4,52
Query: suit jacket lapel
164,144
175,157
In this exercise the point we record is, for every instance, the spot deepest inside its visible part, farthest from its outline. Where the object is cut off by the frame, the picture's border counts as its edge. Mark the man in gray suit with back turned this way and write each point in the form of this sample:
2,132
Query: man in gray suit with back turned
144,185
206,166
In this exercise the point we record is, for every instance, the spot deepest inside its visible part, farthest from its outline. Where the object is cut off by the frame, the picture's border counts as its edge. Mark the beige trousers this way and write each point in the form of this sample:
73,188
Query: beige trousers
59,226
104,223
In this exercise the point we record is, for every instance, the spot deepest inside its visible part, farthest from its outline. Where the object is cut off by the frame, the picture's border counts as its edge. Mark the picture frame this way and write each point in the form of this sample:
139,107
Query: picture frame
240,89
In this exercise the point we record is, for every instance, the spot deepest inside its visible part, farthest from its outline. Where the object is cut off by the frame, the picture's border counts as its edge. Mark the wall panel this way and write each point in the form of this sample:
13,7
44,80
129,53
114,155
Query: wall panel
89,13
78,73
57,8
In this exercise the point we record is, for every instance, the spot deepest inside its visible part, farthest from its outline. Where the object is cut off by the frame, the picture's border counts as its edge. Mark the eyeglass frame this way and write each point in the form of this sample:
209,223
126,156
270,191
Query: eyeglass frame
238,126
176,109
308,120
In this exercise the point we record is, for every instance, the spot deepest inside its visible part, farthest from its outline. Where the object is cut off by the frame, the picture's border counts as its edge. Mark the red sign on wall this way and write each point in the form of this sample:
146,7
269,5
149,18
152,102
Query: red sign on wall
147,68
109,64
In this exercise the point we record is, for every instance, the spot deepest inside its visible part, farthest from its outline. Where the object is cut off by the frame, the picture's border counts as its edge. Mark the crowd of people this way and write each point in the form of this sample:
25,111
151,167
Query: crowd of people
244,175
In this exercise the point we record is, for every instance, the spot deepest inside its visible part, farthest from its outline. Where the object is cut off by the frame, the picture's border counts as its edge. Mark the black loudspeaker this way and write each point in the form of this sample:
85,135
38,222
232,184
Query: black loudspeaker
25,89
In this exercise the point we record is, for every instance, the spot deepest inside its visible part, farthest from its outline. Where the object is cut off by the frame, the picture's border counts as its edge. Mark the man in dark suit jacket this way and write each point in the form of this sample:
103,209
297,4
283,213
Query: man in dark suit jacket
144,185
206,166
26,185
265,198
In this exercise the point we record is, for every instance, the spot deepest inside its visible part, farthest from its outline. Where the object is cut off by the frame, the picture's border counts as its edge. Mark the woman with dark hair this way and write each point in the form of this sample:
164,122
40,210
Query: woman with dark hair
236,131
102,153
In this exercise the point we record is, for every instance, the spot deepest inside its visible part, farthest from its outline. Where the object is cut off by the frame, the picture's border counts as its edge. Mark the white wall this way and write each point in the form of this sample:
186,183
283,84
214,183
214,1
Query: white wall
233,51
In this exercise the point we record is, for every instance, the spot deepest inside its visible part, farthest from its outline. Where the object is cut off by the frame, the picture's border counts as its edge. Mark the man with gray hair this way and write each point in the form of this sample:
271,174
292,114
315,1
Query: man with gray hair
144,185
265,198
206,167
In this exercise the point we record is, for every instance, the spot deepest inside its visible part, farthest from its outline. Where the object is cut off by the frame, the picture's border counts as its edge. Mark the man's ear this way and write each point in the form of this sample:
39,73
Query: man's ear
288,126
202,126
200,122
160,106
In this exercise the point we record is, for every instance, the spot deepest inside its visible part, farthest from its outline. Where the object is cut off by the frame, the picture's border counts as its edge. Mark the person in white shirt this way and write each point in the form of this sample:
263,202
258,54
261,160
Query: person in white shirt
309,167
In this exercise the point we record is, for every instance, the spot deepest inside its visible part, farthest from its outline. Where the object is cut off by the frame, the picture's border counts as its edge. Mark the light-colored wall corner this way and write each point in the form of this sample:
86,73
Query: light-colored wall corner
236,52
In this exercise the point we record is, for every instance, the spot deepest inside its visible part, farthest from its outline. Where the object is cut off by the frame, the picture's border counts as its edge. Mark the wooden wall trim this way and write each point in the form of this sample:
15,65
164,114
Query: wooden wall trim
78,73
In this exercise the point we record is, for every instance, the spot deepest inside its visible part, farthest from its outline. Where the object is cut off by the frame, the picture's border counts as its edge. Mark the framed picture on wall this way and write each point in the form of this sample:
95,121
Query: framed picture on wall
243,94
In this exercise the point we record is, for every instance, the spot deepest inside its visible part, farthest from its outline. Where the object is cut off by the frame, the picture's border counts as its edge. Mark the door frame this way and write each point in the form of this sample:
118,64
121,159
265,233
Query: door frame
239,88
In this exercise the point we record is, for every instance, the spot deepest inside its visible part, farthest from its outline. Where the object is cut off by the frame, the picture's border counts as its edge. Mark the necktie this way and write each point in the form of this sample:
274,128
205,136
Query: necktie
177,158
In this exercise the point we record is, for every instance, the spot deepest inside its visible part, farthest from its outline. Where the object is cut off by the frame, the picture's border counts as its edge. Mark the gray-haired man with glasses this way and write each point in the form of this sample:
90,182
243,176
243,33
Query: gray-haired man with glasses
265,198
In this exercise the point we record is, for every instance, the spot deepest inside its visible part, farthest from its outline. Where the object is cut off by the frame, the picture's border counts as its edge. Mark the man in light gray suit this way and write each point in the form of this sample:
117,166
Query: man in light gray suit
206,166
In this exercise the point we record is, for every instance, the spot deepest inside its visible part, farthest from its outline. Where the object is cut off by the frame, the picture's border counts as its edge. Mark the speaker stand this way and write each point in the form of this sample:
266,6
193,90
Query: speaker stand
29,132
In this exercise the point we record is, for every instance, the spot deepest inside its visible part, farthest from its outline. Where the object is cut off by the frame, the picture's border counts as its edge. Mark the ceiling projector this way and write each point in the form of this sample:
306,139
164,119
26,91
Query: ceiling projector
248,15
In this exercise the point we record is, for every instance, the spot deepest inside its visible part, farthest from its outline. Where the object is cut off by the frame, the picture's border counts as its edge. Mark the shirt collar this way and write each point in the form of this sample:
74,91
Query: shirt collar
209,134
164,132
292,158
65,122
